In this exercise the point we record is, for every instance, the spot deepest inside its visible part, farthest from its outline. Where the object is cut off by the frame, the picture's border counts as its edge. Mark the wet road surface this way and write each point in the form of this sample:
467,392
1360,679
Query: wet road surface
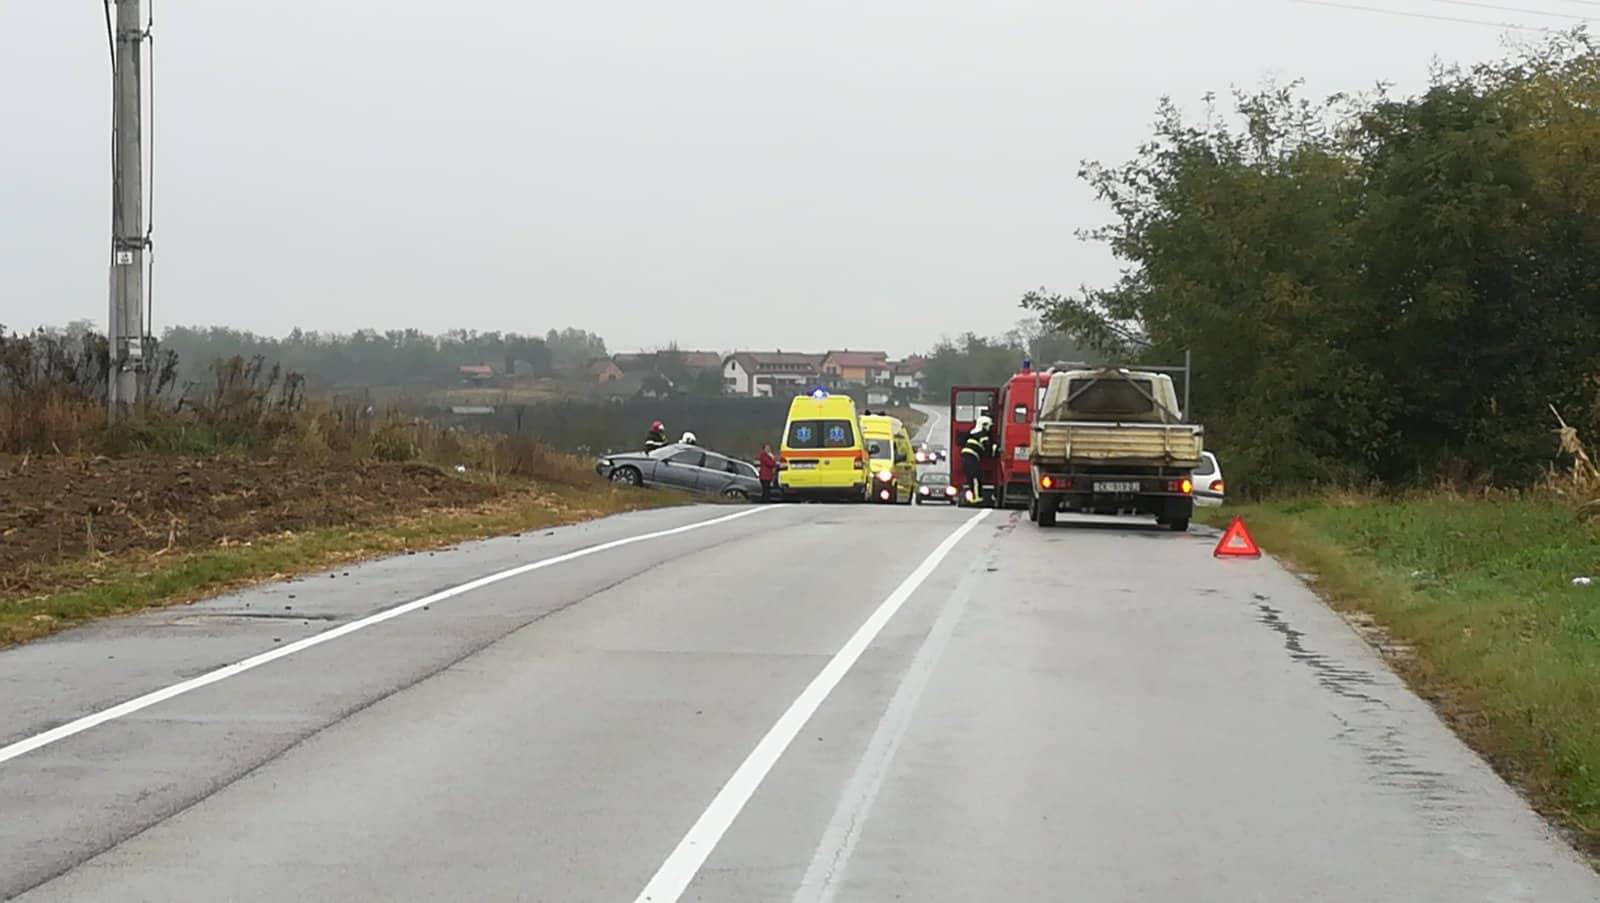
797,703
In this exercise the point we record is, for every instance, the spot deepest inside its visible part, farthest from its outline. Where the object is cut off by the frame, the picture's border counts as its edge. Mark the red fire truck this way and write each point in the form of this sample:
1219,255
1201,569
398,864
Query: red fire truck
967,404
1013,421
1013,406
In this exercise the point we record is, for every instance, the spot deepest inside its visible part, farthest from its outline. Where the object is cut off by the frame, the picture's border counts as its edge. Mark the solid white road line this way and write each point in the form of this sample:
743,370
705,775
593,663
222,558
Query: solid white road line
672,879
22,747
824,877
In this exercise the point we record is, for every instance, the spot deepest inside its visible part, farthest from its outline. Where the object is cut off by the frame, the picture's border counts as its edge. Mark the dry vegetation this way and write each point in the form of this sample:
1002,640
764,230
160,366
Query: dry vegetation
238,478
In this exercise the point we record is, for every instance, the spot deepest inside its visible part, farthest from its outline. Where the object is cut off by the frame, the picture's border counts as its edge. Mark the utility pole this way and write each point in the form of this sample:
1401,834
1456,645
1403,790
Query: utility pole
129,242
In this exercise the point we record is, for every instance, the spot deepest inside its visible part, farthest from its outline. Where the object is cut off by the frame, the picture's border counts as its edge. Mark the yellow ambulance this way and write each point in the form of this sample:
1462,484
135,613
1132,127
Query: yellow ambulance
824,454
889,457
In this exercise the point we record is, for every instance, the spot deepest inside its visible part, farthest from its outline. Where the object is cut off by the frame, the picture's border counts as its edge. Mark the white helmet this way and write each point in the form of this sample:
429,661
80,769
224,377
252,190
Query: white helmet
688,439
983,424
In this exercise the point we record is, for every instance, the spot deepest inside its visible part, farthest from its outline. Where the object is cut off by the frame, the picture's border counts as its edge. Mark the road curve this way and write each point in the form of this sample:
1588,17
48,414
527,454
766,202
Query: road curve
805,703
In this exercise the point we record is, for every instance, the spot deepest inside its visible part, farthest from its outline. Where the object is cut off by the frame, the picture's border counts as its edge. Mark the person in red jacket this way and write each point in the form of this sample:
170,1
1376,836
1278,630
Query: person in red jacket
767,470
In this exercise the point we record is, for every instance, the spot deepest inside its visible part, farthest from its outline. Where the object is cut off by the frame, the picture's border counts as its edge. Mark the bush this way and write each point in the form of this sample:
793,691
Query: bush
1389,289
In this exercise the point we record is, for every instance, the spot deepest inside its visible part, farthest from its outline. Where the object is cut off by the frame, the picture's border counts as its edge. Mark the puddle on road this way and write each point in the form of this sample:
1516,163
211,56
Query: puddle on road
1370,730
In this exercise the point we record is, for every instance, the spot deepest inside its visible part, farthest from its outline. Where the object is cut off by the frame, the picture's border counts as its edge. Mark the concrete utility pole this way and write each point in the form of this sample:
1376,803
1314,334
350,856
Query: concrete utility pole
129,242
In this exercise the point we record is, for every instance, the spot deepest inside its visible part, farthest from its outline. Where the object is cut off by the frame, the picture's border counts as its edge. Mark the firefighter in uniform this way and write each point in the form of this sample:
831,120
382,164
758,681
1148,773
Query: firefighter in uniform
978,448
657,437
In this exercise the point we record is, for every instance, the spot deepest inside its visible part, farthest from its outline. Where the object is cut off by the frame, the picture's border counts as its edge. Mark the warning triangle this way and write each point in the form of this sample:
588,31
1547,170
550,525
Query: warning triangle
1237,542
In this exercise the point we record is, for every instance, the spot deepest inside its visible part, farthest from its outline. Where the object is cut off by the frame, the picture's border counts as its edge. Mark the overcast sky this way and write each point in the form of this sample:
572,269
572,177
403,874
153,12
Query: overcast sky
722,173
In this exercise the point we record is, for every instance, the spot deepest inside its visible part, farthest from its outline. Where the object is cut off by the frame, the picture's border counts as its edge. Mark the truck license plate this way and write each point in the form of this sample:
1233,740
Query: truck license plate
1116,487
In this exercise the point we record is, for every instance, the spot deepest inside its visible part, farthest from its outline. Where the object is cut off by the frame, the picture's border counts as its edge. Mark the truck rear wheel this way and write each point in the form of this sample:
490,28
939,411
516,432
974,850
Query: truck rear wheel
1180,525
1047,510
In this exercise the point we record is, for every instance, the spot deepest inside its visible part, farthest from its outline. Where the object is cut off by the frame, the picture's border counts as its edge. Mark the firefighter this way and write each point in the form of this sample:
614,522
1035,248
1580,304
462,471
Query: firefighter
978,448
657,437
688,439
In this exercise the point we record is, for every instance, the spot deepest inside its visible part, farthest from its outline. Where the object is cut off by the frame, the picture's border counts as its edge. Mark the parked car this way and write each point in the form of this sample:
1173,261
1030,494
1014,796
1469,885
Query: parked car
686,467
1209,488
934,489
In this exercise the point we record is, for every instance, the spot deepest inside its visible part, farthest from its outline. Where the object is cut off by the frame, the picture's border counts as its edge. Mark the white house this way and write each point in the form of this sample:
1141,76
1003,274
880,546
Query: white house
908,374
764,374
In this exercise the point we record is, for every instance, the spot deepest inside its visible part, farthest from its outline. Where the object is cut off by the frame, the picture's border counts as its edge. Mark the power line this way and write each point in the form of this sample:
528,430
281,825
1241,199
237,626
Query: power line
1515,9
1428,16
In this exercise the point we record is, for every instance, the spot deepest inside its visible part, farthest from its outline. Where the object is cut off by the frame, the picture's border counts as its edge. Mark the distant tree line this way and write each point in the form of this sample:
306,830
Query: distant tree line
1389,289
389,358
974,360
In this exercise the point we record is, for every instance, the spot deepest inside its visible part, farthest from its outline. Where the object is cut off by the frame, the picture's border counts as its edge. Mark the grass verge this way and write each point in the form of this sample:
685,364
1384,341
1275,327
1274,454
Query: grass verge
137,581
1477,594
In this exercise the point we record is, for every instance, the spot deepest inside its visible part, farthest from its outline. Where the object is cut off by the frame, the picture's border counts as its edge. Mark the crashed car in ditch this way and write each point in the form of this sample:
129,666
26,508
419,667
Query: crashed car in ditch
686,467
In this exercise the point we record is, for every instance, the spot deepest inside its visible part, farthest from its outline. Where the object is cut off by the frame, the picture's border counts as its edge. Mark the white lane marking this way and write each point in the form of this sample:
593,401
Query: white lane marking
25,746
823,878
680,867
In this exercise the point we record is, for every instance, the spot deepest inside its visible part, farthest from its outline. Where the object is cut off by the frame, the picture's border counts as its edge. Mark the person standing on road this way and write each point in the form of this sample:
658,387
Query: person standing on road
978,447
657,437
767,469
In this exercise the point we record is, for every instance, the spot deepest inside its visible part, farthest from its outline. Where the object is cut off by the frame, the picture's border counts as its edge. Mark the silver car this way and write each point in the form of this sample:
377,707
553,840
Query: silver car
1209,488
686,467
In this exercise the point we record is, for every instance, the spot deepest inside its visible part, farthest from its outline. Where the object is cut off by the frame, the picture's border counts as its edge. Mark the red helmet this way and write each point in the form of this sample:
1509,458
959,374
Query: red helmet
658,425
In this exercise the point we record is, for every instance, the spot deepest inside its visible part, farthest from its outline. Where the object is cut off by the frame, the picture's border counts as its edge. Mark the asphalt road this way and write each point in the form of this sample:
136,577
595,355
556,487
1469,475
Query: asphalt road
800,703
935,430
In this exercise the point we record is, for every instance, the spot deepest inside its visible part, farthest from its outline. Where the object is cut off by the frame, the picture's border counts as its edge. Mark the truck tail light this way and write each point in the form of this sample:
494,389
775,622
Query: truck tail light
1047,482
1185,486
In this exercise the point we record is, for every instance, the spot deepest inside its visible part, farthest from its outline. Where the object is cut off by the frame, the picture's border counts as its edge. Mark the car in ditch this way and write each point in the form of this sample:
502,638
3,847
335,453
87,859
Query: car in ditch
685,467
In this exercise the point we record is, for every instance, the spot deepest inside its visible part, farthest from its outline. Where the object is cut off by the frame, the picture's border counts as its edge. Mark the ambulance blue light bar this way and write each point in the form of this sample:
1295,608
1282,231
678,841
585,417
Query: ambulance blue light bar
819,393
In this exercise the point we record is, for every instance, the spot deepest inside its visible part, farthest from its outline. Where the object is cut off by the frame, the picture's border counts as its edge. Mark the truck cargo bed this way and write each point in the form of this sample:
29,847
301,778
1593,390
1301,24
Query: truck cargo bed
1166,445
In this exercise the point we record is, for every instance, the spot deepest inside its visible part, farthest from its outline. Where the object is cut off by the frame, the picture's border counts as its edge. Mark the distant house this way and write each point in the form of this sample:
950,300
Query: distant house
908,374
603,371
658,361
698,361
765,374
476,374
863,367
638,385
635,361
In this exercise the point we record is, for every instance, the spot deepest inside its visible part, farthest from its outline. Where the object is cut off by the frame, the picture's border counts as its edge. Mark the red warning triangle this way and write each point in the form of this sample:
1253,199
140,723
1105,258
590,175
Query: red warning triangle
1237,542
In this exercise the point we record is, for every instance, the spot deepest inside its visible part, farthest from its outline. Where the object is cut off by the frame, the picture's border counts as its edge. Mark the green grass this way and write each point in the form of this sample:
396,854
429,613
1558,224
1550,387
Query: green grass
122,585
1480,591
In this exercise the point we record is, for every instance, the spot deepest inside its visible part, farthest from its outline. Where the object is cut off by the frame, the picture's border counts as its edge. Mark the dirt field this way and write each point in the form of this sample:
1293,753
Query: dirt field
55,510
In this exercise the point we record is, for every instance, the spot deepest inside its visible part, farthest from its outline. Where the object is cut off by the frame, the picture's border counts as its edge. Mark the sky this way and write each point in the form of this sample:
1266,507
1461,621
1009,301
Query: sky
723,174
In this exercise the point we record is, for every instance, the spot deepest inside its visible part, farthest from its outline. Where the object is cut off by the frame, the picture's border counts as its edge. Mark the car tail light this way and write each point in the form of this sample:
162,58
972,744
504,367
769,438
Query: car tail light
884,495
858,464
1218,486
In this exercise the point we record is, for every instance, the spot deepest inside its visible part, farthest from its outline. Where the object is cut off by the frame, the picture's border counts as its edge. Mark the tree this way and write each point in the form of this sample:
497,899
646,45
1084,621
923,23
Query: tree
1380,288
